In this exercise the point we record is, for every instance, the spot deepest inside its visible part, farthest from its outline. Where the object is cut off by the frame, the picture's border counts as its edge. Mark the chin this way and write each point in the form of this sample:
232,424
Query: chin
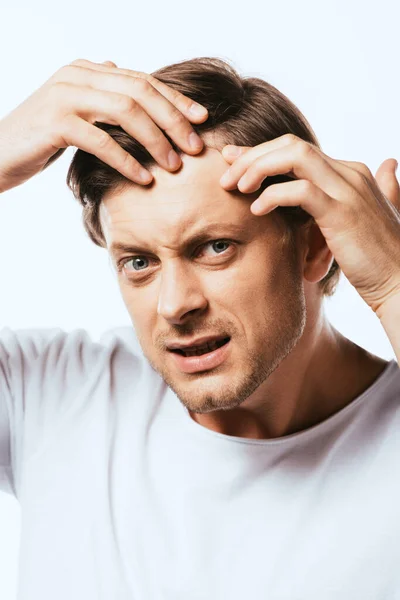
212,392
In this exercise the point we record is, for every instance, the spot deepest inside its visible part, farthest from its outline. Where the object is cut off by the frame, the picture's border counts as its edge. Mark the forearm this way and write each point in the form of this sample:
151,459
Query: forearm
389,316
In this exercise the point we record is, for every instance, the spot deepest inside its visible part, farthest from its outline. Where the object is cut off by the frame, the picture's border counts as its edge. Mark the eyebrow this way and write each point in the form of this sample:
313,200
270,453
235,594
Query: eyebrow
201,235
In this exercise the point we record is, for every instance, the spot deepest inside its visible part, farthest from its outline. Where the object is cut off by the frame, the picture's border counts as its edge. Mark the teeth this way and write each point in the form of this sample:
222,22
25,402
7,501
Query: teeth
209,347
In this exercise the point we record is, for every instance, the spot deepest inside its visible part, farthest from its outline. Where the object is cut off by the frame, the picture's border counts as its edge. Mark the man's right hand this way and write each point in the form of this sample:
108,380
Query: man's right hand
62,113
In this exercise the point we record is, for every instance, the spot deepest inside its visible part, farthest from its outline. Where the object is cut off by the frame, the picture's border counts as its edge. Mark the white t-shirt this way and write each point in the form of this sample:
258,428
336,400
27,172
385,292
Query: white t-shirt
125,497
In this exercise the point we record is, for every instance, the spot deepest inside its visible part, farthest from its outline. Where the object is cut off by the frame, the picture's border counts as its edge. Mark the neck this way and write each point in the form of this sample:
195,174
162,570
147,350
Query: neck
322,375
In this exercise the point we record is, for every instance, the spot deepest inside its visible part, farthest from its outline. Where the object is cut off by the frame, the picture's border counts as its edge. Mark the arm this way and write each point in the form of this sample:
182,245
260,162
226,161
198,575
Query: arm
389,316
37,132
32,137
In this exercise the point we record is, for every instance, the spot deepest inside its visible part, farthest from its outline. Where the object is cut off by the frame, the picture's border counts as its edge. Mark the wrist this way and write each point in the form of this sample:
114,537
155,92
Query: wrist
389,308
389,316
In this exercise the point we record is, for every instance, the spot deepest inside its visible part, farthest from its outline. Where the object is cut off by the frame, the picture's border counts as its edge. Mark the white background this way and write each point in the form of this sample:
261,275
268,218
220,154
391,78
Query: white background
338,61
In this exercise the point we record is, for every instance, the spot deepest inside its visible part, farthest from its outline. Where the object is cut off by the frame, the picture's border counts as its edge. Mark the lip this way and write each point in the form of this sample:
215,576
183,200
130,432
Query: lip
204,362
197,342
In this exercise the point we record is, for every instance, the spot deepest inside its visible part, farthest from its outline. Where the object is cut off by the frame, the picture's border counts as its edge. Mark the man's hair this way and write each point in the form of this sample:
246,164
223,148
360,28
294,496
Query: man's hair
243,111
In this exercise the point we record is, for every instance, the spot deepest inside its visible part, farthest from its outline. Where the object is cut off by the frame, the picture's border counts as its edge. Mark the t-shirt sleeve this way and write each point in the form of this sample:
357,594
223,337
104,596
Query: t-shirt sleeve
41,370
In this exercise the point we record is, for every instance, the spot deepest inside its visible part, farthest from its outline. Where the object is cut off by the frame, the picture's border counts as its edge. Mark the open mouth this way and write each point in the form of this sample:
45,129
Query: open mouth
199,350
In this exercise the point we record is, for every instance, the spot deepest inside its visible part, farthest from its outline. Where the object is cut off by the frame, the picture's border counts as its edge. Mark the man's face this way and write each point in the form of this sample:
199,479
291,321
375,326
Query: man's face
240,280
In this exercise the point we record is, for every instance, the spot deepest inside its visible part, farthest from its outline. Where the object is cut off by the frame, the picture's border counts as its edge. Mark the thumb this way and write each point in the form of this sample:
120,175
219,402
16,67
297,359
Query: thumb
109,63
387,181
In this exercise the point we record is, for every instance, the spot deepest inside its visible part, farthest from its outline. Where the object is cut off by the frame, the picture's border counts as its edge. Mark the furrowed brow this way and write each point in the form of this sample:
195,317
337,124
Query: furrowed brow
216,230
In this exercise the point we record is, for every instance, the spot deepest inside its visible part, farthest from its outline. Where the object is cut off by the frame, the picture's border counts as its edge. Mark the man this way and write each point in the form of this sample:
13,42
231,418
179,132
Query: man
240,446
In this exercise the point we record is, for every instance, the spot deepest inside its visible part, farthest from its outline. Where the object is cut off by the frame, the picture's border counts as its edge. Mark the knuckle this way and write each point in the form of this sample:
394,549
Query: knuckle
66,72
139,74
363,170
102,139
178,119
159,142
125,104
290,138
306,187
142,86
304,148
79,62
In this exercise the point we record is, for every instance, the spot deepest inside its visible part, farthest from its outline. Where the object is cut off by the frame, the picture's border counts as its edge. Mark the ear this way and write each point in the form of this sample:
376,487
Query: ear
318,258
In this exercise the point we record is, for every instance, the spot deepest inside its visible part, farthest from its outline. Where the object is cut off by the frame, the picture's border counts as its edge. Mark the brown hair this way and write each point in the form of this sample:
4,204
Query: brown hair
244,111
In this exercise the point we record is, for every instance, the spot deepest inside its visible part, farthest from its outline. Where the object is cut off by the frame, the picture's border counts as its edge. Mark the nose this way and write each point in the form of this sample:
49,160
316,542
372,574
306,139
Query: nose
180,293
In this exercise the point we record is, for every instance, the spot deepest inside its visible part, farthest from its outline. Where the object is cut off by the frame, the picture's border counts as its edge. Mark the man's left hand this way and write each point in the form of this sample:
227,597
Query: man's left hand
358,215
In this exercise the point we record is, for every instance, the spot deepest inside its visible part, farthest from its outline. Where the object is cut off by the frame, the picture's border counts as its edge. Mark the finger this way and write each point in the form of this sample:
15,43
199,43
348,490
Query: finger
197,113
300,192
240,166
390,188
388,182
348,173
160,110
78,132
109,63
242,163
356,166
231,152
304,161
117,109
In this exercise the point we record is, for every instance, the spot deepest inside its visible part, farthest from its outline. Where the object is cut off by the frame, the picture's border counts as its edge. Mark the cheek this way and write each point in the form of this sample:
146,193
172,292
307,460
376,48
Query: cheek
129,300
250,281
142,310
264,292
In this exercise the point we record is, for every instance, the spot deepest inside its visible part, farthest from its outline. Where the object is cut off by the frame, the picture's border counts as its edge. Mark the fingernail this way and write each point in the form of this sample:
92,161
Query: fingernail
173,160
145,176
197,110
257,207
195,141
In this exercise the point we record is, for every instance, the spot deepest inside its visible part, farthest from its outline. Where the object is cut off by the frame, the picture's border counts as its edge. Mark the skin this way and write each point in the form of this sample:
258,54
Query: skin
281,373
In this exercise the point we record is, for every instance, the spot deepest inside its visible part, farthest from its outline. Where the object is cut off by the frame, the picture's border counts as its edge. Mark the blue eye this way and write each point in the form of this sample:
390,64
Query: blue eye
139,259
125,261
215,242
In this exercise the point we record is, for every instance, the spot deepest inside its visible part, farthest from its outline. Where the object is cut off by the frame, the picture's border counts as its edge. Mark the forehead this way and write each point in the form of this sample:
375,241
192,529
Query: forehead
173,203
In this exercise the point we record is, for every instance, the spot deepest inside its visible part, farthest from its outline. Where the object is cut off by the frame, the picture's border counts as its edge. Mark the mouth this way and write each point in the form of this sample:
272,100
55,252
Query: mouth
201,350
202,359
